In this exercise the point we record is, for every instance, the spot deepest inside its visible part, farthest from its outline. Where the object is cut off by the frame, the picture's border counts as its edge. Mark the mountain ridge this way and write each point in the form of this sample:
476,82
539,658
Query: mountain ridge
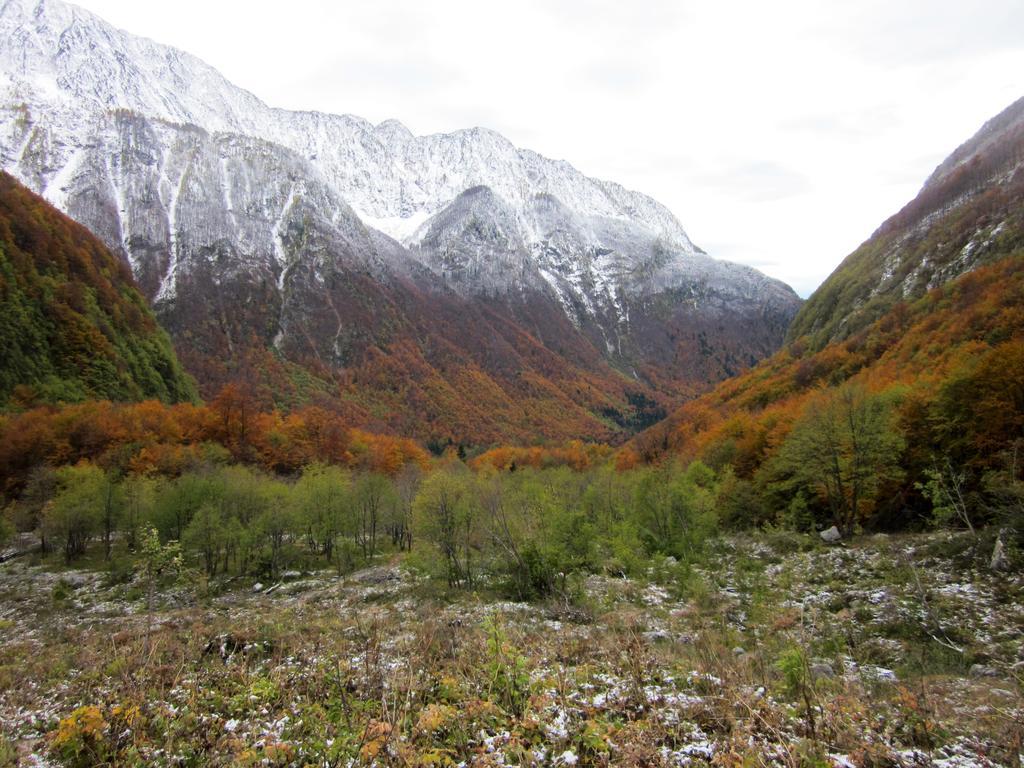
252,245
951,226
303,131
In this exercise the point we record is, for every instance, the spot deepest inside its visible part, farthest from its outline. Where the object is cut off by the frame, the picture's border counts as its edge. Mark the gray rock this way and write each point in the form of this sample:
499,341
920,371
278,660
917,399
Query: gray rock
831,535
376,575
655,635
983,670
738,651
880,674
999,561
296,587
257,587
75,580
821,669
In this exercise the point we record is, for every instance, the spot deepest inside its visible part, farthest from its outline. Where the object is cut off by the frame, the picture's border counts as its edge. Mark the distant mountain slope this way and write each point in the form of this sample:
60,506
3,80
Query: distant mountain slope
73,325
308,252
929,315
968,213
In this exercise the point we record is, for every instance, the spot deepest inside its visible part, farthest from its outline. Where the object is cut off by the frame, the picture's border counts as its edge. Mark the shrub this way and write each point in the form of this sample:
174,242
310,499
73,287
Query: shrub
80,739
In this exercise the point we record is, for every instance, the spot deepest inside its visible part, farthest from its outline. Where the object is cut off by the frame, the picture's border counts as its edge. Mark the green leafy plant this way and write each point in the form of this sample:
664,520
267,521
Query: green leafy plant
798,682
945,487
508,679
156,560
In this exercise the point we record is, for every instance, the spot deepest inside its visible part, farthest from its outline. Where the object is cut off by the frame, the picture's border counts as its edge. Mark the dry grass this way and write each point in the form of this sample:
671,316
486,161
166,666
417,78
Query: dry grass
771,656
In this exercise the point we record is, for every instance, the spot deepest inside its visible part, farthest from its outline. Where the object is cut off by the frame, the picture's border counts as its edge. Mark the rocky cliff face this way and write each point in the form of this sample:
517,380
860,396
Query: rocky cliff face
968,213
332,242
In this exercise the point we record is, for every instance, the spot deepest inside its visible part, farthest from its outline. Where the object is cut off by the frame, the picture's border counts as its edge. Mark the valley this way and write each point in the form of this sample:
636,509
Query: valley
323,259
324,443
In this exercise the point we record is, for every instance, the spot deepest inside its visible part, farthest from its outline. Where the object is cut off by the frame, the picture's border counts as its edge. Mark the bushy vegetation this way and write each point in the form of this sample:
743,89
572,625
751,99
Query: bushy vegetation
253,493
868,431
530,533
525,533
151,438
768,650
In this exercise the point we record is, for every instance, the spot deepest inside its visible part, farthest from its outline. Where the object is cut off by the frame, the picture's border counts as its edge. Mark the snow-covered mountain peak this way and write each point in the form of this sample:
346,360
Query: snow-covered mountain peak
339,242
184,172
61,53
393,132
99,66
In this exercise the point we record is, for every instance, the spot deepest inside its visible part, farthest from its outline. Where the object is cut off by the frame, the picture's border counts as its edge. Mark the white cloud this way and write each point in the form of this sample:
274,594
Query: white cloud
781,134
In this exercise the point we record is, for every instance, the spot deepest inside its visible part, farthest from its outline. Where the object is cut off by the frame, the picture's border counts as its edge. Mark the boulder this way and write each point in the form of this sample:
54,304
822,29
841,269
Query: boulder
821,669
983,670
376,575
999,561
831,535
74,580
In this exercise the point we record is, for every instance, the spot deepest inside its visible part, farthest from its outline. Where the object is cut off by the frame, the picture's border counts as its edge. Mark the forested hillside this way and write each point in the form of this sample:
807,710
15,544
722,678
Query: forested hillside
967,214
73,325
902,386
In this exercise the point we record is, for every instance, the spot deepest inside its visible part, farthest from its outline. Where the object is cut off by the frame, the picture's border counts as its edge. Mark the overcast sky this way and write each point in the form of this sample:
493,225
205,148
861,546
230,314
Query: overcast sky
780,133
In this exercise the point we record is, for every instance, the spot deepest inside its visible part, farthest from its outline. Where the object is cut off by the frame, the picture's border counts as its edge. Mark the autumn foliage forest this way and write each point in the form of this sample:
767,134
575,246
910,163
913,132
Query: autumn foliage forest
72,322
853,435
897,404
900,393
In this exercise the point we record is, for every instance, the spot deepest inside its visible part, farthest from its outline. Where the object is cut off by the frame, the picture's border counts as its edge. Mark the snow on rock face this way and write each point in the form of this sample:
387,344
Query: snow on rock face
72,59
185,174
77,59
476,243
